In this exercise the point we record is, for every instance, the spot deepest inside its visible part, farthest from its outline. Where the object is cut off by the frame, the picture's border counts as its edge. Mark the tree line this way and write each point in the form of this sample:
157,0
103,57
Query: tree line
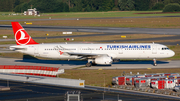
83,5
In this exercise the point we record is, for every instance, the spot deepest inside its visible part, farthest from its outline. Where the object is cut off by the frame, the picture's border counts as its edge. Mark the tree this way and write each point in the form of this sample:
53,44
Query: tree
76,5
158,6
126,5
130,4
105,5
142,5
58,5
122,5
171,1
65,7
22,7
87,9
17,2
152,3
172,7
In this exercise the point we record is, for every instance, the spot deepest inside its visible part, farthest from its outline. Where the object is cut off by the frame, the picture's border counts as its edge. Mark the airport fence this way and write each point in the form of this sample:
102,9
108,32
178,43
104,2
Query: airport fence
148,82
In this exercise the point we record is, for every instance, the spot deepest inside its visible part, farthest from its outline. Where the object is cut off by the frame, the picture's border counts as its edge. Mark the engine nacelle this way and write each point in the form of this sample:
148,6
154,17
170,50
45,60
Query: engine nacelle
103,60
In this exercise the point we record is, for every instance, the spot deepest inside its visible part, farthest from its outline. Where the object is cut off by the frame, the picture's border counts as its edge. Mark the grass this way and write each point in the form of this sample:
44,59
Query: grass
122,22
91,40
99,39
10,33
176,49
83,15
166,22
101,77
134,23
12,55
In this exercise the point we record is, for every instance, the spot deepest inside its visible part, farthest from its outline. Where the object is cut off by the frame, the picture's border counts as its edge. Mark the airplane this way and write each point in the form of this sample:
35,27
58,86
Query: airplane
95,54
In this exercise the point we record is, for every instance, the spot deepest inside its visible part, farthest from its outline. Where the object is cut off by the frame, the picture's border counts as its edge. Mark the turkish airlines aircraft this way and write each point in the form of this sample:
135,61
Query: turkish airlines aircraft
102,54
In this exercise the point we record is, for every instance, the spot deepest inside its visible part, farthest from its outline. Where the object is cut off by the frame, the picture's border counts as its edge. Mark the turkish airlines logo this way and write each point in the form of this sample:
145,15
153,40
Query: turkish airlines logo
61,52
22,37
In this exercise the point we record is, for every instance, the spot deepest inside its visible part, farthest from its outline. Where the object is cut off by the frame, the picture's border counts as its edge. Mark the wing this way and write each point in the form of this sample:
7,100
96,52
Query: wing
85,55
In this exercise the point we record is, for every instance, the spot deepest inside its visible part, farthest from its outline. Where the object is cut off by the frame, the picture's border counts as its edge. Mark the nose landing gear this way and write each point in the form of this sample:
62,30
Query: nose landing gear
155,64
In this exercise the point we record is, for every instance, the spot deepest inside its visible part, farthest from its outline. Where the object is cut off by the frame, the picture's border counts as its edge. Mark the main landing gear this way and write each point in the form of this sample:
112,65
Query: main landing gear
155,64
88,64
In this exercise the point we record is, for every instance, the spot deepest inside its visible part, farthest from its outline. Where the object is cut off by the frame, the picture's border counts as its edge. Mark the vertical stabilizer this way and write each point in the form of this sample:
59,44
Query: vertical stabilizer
21,36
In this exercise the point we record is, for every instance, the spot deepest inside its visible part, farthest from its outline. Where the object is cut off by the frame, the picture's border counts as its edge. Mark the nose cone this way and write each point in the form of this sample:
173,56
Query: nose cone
172,53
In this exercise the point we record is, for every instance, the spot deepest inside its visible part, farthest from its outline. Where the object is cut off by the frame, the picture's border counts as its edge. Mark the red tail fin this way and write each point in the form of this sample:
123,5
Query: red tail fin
21,36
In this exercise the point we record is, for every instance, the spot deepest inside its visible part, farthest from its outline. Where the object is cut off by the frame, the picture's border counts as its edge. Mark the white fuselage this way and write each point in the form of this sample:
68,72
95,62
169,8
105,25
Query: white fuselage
116,51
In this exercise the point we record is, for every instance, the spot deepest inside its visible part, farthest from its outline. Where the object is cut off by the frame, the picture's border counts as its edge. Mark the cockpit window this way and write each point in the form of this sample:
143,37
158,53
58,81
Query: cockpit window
165,48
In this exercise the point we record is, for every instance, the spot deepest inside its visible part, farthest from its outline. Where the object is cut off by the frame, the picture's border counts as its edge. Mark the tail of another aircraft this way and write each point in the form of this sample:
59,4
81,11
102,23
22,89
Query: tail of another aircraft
21,36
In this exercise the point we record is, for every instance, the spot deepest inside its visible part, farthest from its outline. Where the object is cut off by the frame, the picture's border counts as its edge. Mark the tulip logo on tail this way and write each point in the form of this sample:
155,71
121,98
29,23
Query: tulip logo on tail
61,52
22,37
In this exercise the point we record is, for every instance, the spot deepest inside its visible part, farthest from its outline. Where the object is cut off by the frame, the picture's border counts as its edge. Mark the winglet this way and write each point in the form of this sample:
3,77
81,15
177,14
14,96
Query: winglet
21,36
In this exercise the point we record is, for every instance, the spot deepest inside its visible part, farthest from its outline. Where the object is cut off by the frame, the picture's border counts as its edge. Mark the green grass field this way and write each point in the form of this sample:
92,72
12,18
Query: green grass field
166,22
6,16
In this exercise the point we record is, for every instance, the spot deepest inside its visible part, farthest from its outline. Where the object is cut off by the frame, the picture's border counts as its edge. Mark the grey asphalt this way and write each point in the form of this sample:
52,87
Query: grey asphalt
108,30
105,31
21,91
177,37
42,80
74,64
89,18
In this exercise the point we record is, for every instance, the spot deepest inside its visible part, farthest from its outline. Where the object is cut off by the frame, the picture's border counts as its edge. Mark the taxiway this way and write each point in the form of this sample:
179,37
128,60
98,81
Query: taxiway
76,64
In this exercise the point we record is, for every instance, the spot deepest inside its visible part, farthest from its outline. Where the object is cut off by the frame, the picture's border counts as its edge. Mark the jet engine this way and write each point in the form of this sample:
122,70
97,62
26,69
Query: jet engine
103,60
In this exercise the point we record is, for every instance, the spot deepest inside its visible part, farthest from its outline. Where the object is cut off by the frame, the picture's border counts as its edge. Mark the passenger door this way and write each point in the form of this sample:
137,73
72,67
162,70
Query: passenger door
154,49
120,50
36,51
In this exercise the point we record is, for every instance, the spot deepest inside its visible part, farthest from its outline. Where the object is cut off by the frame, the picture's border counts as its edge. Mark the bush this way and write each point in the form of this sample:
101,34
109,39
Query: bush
173,7
158,6
115,9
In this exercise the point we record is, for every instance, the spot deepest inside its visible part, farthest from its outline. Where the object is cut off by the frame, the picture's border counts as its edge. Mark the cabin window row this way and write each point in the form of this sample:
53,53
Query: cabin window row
59,49
137,48
107,49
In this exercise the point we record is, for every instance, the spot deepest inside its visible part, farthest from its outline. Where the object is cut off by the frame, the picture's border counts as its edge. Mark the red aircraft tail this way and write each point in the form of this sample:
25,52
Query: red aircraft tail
21,36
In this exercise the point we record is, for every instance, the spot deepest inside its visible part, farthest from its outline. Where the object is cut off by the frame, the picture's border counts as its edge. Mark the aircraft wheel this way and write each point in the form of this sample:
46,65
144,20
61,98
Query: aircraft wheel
88,64
155,64
93,64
